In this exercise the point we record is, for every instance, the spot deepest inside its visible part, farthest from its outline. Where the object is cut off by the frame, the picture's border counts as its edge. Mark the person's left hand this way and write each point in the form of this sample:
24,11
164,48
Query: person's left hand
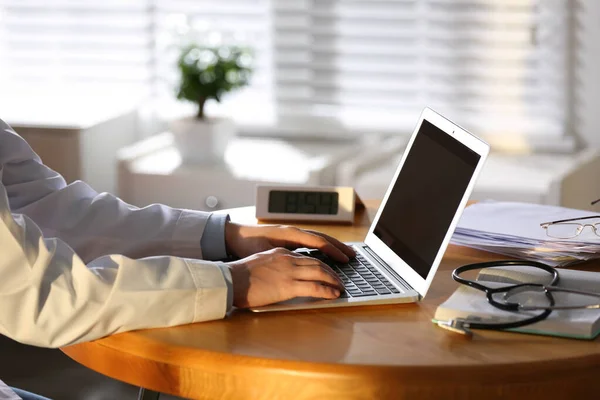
245,240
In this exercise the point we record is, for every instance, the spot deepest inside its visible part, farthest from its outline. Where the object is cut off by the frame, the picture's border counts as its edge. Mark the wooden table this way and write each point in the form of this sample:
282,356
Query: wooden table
377,352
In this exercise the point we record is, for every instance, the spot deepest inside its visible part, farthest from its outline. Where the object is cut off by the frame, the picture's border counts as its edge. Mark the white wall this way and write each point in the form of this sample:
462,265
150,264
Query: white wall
587,72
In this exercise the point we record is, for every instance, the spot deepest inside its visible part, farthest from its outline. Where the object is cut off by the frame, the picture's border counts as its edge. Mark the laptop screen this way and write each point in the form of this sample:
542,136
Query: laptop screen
425,197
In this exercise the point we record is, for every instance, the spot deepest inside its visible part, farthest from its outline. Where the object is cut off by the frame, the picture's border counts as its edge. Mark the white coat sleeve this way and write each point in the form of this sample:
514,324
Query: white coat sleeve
94,224
49,297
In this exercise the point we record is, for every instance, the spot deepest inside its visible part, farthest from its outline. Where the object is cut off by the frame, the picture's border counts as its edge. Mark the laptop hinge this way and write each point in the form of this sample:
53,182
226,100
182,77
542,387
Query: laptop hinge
388,268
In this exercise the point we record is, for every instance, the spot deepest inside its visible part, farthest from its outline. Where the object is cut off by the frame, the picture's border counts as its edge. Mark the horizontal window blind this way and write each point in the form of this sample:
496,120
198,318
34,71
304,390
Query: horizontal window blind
495,65
67,45
243,22
122,47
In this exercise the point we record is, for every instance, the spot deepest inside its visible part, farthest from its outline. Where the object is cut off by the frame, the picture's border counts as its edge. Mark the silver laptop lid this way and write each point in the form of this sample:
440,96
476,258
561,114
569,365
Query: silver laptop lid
427,195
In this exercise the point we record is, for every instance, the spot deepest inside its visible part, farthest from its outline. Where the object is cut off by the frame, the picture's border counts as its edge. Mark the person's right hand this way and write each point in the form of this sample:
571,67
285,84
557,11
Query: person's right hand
279,274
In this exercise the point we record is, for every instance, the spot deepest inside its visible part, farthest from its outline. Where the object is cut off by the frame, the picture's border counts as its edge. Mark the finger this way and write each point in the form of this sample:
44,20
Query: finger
317,272
295,260
347,250
295,237
314,289
300,260
282,250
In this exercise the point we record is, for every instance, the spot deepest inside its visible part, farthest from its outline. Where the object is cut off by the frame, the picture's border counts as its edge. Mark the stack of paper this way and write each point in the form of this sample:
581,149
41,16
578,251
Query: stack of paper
514,229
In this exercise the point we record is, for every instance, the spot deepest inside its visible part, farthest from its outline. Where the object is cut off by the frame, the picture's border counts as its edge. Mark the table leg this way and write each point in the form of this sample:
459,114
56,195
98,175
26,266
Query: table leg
146,394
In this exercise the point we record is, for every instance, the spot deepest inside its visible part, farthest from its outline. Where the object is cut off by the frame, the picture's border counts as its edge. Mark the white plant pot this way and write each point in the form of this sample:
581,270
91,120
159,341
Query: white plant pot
202,141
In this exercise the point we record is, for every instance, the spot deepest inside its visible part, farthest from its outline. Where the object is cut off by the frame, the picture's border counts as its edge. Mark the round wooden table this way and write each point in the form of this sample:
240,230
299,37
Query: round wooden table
376,352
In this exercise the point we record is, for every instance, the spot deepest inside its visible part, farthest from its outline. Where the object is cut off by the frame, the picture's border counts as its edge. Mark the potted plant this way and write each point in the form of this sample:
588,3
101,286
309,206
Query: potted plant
208,73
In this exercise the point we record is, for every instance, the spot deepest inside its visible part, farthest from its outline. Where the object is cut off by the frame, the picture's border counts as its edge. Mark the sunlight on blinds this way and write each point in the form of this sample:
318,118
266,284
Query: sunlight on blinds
497,66
241,22
75,45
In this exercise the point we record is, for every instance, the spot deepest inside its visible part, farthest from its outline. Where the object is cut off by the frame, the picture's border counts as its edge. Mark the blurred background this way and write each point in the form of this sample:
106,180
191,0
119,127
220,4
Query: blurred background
193,102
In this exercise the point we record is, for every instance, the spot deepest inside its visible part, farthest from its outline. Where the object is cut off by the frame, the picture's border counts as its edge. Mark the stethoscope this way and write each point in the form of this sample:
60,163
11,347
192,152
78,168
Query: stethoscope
464,325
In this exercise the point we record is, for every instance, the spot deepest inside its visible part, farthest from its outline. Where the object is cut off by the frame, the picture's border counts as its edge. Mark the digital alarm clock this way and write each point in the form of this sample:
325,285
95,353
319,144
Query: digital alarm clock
306,203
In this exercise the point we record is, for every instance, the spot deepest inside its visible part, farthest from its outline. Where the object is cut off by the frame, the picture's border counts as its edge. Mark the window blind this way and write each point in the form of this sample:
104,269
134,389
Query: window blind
495,66
70,45
498,66
244,22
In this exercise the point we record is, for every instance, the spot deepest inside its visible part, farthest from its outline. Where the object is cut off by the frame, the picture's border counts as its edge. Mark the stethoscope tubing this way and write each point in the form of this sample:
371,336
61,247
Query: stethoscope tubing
509,306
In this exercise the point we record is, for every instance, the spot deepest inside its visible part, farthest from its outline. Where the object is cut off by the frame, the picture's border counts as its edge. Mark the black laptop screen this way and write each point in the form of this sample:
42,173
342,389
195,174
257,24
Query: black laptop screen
425,197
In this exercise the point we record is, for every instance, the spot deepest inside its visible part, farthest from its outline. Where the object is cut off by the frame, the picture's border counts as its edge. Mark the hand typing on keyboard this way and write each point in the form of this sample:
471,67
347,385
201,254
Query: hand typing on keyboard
279,274
359,276
270,273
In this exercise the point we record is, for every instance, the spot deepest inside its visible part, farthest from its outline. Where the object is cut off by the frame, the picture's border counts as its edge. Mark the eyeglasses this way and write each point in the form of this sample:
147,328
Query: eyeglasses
533,296
567,229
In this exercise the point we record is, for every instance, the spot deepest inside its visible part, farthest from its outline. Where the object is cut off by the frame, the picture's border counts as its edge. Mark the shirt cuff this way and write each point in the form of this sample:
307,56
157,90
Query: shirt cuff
226,269
212,242
214,289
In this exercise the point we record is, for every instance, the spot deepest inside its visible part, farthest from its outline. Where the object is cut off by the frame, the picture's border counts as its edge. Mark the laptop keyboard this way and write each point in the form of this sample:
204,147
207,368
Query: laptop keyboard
359,276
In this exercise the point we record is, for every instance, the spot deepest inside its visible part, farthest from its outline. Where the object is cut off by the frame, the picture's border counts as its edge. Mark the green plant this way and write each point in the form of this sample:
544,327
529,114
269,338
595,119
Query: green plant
208,72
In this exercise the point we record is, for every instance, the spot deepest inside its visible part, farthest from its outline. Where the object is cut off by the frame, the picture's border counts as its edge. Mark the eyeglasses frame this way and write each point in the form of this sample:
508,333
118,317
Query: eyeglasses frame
545,225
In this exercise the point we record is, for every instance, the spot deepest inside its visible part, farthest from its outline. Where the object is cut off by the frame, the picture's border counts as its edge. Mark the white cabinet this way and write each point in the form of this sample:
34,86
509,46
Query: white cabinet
80,141
151,171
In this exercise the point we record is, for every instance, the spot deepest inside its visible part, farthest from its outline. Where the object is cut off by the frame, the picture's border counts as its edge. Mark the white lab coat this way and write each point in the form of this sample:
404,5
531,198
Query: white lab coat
68,267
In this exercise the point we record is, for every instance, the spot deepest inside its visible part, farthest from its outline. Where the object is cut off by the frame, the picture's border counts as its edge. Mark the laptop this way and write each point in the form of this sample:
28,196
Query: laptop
408,237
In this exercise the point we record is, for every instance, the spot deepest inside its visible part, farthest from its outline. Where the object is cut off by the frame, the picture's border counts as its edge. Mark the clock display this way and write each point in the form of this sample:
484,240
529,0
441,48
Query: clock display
298,202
